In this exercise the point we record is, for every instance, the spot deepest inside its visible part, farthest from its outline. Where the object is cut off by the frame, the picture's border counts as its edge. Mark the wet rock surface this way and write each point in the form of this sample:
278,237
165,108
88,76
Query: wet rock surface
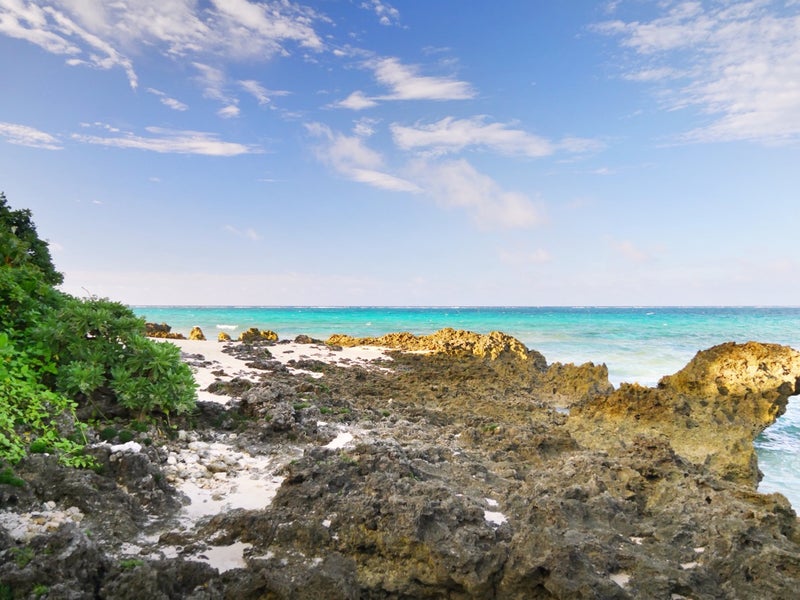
450,474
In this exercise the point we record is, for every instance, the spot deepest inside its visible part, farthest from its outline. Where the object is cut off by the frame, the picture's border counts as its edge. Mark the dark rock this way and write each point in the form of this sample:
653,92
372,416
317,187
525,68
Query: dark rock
304,339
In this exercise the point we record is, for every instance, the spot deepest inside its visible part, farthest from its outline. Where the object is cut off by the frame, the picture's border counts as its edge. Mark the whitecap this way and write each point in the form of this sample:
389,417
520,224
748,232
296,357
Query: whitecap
227,327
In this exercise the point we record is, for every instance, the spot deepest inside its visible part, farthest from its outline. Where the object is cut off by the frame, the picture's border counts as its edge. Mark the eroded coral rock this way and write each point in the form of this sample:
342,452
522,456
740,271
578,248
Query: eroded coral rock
197,334
710,411
223,337
448,341
254,334
162,330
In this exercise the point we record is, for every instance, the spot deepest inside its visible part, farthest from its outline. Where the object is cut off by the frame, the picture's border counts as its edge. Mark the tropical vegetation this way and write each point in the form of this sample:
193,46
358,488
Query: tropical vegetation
61,355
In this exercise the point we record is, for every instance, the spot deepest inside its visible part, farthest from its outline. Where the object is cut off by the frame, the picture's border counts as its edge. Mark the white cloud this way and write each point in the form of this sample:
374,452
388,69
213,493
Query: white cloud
213,81
456,184
349,156
167,101
229,112
172,142
95,32
453,135
406,84
386,13
453,184
55,32
22,135
737,62
365,127
259,92
258,29
249,233
357,101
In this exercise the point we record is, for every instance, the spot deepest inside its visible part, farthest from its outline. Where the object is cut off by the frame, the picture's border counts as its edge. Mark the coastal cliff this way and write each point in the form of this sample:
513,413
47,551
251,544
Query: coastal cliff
457,465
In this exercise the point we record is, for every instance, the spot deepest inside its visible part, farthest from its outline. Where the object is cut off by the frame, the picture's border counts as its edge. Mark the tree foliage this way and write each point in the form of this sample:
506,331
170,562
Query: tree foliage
58,352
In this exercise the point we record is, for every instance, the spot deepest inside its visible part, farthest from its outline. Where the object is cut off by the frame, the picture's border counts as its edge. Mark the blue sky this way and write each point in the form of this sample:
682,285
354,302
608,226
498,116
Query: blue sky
366,152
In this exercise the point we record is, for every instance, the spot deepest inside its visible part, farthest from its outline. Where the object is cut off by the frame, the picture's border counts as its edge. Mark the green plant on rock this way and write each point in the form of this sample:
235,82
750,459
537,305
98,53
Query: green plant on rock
130,563
7,477
22,556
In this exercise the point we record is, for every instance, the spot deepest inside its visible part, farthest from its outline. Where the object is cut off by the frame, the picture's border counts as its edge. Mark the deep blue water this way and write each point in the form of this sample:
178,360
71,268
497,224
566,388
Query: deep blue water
636,343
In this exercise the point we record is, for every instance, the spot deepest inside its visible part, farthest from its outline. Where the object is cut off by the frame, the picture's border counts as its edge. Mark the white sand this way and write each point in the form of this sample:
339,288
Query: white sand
212,352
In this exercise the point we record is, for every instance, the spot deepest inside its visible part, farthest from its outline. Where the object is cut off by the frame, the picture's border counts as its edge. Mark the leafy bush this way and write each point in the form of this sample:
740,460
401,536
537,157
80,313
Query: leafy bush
101,347
57,352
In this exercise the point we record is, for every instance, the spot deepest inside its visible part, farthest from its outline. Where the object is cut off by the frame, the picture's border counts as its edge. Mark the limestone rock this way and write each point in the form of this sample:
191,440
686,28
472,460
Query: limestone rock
197,334
450,342
565,385
223,337
254,334
162,330
710,411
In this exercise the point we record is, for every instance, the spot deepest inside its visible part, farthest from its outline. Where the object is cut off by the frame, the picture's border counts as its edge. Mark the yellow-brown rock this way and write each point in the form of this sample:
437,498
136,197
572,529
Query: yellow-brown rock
197,334
162,331
254,334
223,337
447,341
710,411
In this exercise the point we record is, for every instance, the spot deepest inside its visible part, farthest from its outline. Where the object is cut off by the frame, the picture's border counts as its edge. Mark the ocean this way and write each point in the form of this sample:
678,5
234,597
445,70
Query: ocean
638,344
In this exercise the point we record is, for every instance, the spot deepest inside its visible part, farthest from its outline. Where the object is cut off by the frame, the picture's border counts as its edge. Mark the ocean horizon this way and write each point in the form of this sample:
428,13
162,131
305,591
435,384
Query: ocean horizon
638,344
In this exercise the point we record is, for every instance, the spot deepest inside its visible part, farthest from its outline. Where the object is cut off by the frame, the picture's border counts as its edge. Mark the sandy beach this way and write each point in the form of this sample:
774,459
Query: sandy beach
224,366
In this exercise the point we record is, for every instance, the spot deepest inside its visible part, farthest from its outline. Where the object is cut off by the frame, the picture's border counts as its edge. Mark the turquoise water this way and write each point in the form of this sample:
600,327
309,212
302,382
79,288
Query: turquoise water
636,343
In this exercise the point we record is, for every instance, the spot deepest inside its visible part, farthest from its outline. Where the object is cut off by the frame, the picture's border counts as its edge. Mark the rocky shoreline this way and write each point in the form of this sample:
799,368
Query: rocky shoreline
446,466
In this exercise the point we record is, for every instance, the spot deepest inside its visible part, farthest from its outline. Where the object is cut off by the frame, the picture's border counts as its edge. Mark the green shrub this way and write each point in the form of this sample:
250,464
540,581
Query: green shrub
39,446
125,436
108,433
111,353
57,352
7,477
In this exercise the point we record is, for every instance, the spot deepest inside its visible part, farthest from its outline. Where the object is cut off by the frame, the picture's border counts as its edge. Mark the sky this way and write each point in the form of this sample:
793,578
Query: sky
442,153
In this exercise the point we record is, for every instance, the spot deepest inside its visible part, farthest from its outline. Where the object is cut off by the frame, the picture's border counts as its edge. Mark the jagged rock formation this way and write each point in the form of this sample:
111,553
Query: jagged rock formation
162,330
254,334
197,334
464,479
450,342
223,337
709,412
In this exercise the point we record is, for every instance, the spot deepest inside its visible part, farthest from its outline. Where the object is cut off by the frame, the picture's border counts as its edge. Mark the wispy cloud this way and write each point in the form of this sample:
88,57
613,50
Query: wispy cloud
386,13
738,63
166,141
56,32
453,135
22,135
249,233
259,92
357,101
452,184
93,33
230,111
457,184
405,83
351,157
167,101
